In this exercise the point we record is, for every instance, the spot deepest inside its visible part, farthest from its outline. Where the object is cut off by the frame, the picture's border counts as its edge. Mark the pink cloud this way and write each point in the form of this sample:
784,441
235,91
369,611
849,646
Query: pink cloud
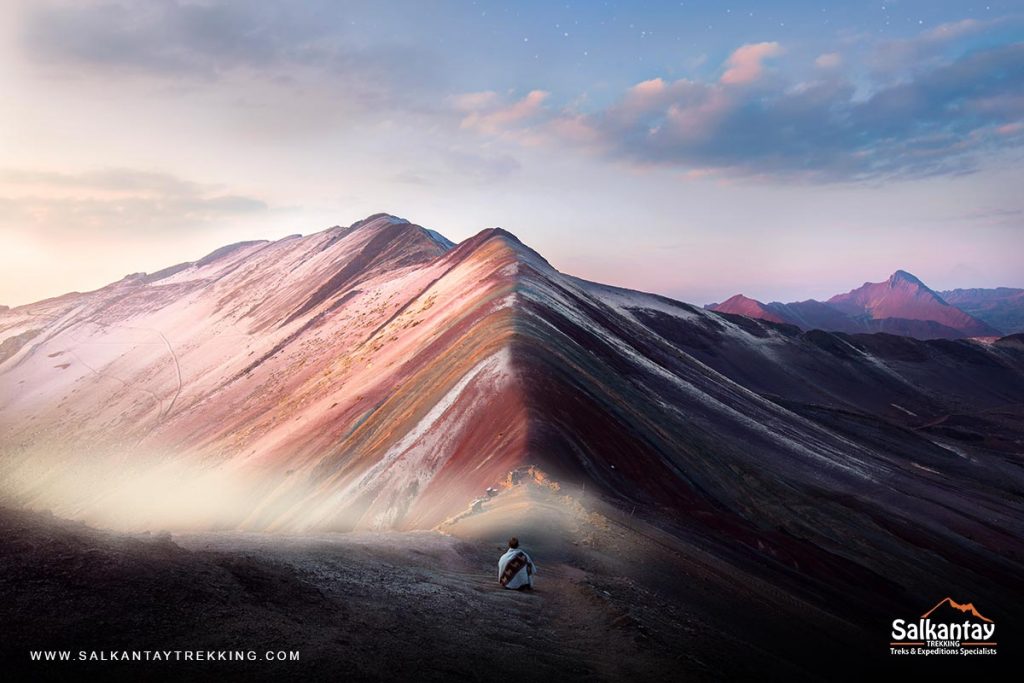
499,118
696,119
700,173
746,64
574,128
643,97
654,86
653,98
829,60
475,101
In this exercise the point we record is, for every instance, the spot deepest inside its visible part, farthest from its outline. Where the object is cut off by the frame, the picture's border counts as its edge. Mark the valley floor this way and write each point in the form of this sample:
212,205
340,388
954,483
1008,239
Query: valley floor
614,601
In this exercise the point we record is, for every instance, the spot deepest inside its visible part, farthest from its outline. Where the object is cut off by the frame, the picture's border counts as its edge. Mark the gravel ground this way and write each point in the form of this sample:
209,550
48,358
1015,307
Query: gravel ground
616,599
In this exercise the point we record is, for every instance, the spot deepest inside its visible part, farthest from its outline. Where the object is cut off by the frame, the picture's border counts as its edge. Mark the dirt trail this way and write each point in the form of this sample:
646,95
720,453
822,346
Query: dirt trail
439,597
177,371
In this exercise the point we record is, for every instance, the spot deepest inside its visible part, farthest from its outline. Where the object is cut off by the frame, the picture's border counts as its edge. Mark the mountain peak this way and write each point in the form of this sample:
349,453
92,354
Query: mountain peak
740,298
903,298
506,238
905,277
379,219
740,304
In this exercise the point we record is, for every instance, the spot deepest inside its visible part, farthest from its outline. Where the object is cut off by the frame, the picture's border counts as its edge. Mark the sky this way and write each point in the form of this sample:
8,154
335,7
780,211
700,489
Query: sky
785,150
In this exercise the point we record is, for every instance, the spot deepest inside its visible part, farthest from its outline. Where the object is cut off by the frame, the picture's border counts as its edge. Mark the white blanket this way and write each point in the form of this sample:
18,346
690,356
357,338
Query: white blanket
524,577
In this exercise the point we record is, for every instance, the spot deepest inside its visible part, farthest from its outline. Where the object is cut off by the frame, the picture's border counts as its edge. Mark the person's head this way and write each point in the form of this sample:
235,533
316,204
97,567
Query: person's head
513,542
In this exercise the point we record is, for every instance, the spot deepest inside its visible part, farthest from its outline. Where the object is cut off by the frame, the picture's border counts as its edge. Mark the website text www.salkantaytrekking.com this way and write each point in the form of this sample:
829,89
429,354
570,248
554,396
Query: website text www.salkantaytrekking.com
163,655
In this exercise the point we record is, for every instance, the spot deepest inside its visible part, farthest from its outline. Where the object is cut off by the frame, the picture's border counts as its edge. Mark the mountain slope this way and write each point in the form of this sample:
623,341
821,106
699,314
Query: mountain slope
815,315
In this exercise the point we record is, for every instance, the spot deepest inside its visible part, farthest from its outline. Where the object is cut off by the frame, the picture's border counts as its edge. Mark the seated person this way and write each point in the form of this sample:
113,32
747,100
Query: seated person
515,568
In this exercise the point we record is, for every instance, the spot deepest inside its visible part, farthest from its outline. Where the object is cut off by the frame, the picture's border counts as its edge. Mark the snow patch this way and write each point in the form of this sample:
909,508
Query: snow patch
901,408
439,238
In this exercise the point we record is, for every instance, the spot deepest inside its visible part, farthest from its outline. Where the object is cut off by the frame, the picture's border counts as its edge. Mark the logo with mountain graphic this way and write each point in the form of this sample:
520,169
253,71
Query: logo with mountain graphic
948,628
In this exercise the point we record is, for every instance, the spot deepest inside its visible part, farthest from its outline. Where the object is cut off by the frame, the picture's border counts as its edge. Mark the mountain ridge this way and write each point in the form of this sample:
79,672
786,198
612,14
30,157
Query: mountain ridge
902,304
375,379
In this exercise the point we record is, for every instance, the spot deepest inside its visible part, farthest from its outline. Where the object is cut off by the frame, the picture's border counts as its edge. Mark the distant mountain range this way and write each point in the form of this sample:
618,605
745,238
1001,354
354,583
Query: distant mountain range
901,305
1002,307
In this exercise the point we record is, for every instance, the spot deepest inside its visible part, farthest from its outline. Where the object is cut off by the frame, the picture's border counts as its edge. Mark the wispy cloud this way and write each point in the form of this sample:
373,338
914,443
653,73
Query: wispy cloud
283,67
210,40
931,45
125,202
